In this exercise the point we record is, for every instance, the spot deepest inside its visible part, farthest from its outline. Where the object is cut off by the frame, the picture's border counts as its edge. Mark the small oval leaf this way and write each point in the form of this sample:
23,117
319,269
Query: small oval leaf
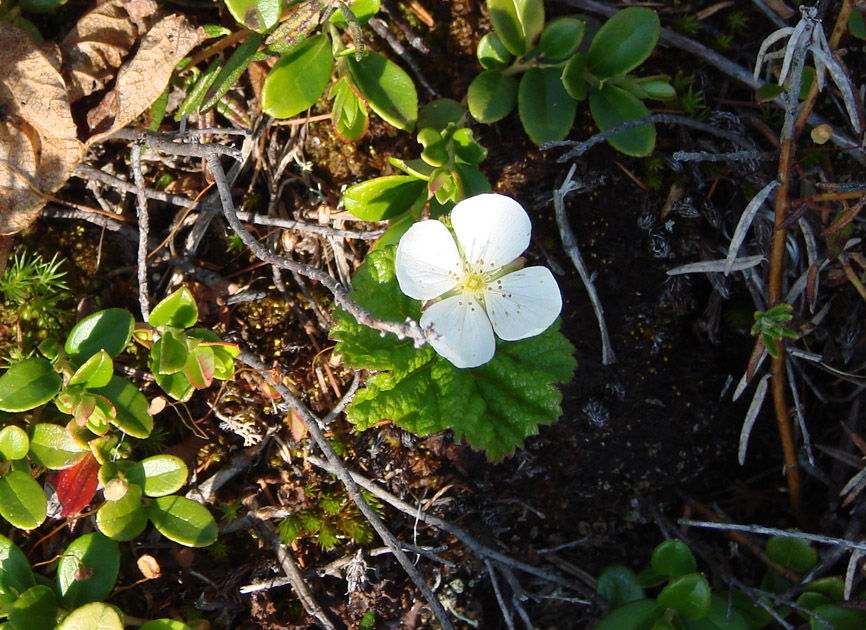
383,197
688,594
159,475
52,447
130,405
200,367
108,330
14,443
299,78
612,106
95,372
35,609
796,554
88,570
639,615
28,384
125,518
546,109
177,310
517,23
15,573
389,91
491,96
572,77
624,42
76,485
93,616
618,584
673,558
256,15
560,39
492,53
22,501
183,521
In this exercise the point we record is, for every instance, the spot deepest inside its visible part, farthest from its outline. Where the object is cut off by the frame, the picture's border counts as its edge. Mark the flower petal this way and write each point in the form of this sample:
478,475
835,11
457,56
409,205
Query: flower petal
524,303
465,335
427,261
492,229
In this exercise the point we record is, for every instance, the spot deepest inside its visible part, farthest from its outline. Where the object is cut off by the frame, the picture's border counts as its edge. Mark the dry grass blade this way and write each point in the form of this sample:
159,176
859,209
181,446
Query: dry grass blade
743,224
751,416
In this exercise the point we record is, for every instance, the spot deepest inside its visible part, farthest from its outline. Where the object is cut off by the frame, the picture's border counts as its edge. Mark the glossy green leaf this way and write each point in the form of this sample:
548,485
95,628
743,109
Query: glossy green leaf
256,15
388,90
233,69
125,518
517,23
754,615
382,197
612,106
811,601
22,501
200,367
440,113
833,617
492,53
618,584
178,310
183,521
93,616
52,447
624,42
95,372
28,384
560,39
108,330
466,147
169,353
418,169
473,182
299,78
719,617
658,89
573,77
197,93
362,9
14,443
131,406
795,554
639,615
40,6
833,587
397,228
768,92
165,624
349,112
491,96
88,570
856,23
159,475
688,594
35,609
15,573
673,558
546,109
175,385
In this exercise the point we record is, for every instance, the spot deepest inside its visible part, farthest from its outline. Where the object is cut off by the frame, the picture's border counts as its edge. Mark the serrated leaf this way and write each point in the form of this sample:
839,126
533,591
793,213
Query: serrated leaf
183,521
299,78
35,609
130,405
177,310
159,475
624,42
88,570
517,23
28,384
14,443
382,197
125,518
93,616
388,90
546,109
52,447
612,106
108,330
15,573
491,96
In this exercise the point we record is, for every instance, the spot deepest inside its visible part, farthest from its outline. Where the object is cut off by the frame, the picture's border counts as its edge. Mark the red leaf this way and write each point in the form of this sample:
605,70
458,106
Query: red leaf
75,486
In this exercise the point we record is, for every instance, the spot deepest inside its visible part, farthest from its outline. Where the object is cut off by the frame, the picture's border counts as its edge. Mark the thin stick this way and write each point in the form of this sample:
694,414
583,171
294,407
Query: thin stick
506,614
569,243
772,531
336,466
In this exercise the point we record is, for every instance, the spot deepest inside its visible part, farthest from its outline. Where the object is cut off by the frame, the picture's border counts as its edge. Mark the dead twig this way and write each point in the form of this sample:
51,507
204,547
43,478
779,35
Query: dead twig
143,228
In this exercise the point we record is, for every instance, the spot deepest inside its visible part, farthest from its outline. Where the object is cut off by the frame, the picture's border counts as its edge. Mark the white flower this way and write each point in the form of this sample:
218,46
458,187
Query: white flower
476,281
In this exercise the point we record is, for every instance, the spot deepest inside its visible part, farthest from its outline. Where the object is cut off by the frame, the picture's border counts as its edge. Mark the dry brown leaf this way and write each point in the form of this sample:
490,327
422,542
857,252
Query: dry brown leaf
38,144
143,79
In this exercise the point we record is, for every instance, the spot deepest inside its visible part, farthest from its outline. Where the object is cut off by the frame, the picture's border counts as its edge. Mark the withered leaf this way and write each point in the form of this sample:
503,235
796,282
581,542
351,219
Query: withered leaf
141,80
38,144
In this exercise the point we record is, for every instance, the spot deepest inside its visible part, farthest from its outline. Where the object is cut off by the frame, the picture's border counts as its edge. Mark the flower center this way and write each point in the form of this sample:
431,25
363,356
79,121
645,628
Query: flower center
473,282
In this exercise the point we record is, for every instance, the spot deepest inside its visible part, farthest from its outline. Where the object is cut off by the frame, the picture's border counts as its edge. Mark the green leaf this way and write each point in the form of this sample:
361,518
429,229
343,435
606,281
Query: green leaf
125,518
175,385
811,601
517,23
200,367
837,618
856,23
196,94
35,609
389,91
93,616
754,615
28,384
466,147
560,39
795,554
472,180
618,584
546,109
88,570
833,587
256,15
14,443
52,447
177,310
349,112
639,615
299,78
719,617
658,89
183,521
624,42
131,407
492,53
108,330
165,624
362,9
22,501
95,372
612,106
382,197
231,72
688,594
573,77
673,558
169,353
440,113
159,475
418,169
491,96
15,573
494,406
